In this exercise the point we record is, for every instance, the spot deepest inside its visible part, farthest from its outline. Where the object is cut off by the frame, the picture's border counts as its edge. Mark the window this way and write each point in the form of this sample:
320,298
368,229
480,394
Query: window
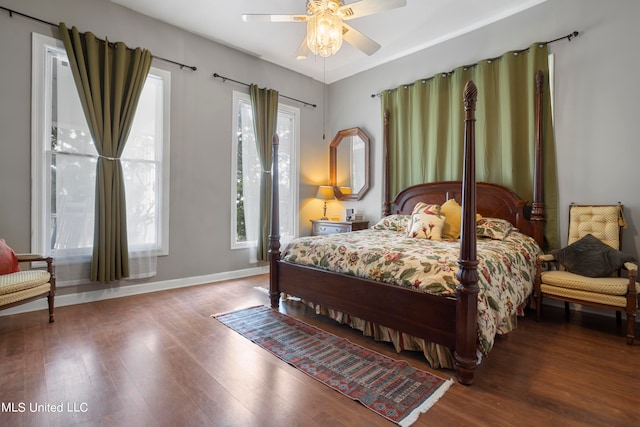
64,162
246,172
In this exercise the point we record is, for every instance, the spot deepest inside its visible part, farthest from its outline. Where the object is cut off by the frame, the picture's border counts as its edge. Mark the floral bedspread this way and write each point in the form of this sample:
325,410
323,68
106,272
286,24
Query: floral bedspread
506,268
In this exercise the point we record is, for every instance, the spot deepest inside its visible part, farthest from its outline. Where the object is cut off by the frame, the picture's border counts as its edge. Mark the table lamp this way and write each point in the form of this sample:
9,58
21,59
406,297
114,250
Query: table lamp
325,192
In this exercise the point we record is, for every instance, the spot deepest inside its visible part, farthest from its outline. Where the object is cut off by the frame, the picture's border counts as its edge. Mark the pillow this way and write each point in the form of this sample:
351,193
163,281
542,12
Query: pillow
422,208
426,208
8,259
494,228
393,222
452,212
591,257
426,226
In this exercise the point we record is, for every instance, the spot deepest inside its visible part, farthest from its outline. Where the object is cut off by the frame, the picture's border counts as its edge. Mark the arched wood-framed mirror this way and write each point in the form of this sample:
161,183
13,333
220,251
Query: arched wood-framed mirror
349,164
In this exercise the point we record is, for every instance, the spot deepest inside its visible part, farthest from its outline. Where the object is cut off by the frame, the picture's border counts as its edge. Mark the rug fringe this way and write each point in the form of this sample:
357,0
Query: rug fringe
412,417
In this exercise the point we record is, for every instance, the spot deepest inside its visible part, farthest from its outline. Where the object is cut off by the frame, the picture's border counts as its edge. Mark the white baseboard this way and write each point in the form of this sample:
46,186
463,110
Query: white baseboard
134,289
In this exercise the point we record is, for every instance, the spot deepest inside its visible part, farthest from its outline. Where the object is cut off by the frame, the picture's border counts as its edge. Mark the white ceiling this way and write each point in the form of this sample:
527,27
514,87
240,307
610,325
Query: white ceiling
402,31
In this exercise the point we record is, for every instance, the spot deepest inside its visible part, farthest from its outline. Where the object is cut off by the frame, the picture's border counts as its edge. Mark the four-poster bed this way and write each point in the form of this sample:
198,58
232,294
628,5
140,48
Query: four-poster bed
450,321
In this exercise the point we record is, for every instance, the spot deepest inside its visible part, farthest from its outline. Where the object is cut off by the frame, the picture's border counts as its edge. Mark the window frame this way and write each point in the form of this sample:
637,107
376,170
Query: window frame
241,97
40,161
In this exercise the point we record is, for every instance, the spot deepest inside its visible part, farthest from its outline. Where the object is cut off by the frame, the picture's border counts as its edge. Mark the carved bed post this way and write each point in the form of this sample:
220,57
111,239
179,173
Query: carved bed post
386,203
274,232
537,211
467,305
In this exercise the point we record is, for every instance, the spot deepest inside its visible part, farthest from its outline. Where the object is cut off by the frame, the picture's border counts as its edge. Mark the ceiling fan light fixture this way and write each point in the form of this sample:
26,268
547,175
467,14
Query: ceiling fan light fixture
325,27
324,30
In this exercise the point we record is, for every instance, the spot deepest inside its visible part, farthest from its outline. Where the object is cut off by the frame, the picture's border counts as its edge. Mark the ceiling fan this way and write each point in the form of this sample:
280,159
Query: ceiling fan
326,27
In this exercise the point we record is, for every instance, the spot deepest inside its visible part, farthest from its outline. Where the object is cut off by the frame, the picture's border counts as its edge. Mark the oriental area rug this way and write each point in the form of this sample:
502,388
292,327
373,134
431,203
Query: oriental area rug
391,388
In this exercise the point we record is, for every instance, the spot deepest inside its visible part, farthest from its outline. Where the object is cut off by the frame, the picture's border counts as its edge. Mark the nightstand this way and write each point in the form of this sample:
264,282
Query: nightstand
320,226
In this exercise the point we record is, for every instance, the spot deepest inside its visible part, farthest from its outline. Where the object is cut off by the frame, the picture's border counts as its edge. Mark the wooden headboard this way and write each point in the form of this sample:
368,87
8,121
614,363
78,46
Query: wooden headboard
492,200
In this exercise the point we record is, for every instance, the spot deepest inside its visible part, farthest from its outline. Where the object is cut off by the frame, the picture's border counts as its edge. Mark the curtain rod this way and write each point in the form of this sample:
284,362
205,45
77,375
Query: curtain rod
33,18
224,79
568,37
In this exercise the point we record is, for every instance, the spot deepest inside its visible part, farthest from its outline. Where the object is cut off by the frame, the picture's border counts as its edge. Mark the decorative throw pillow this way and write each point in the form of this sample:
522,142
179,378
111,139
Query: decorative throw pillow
422,208
426,226
452,212
8,259
591,257
426,208
494,228
393,222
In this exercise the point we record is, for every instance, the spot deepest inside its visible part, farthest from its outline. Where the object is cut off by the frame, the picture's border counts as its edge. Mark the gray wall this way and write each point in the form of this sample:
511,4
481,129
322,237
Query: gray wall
596,93
200,128
597,145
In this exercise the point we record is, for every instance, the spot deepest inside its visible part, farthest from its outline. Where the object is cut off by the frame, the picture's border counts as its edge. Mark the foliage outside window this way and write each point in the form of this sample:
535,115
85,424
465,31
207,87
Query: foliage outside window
247,170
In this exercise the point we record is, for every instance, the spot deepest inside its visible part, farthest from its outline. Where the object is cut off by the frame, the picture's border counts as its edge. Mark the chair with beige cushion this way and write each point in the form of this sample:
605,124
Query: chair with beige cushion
588,271
20,286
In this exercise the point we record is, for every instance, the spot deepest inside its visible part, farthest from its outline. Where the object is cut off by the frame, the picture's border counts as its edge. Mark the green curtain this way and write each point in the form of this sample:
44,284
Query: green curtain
264,105
426,128
109,78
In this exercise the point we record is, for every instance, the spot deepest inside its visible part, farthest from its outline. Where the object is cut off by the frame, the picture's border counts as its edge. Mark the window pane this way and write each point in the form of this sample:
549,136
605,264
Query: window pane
251,171
72,165
141,183
70,132
142,171
73,205
285,133
248,171
145,138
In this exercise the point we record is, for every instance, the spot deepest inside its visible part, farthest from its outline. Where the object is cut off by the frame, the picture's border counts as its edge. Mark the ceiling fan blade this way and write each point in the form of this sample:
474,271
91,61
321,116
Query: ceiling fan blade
368,7
303,50
274,18
359,40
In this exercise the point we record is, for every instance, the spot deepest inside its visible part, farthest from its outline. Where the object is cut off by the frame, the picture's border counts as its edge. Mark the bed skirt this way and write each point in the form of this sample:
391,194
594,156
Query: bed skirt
437,356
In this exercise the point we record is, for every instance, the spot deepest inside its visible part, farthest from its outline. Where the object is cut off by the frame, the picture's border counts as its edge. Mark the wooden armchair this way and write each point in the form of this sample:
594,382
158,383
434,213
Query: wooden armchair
588,270
22,286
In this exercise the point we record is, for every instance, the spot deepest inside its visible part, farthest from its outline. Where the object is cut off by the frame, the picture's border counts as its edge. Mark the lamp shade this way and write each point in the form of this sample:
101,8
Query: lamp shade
325,192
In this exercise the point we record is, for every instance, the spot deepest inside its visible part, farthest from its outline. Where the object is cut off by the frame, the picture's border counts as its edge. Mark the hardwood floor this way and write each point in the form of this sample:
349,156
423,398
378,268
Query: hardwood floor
160,360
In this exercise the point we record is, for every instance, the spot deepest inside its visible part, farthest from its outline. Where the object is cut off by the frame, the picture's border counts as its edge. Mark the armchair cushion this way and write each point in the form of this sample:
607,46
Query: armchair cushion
21,280
19,287
594,285
26,294
591,257
8,259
